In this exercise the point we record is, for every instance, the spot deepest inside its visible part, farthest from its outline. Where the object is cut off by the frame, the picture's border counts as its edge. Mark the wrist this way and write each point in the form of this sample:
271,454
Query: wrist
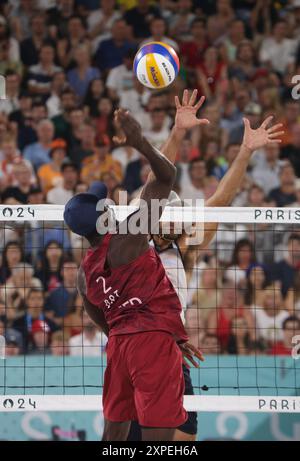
246,150
178,133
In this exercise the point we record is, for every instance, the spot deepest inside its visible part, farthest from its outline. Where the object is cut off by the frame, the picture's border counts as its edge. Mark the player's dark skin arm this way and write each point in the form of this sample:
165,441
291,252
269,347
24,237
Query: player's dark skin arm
125,248
95,313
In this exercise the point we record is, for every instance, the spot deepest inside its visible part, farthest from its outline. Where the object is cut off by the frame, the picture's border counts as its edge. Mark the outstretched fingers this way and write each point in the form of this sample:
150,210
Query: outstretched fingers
185,98
200,103
274,128
193,98
266,122
177,102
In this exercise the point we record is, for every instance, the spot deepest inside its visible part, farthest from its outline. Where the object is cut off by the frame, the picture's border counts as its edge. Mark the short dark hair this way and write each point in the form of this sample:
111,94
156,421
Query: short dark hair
196,160
68,164
291,318
294,236
34,290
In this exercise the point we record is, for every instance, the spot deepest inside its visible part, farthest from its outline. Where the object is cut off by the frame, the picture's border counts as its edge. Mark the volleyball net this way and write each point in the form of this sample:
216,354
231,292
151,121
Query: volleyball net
243,311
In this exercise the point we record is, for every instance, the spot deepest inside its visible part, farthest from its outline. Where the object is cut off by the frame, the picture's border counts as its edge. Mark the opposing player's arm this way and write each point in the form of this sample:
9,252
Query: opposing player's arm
232,180
95,313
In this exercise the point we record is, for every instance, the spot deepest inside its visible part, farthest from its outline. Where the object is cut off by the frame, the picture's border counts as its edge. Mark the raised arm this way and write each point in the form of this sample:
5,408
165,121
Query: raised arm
252,140
160,183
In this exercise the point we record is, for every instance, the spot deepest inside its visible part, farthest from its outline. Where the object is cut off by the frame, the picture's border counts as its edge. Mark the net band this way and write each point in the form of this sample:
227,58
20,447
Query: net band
247,215
213,403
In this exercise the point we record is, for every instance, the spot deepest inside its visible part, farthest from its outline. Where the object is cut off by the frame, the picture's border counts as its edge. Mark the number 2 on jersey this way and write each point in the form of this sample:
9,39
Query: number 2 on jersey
105,290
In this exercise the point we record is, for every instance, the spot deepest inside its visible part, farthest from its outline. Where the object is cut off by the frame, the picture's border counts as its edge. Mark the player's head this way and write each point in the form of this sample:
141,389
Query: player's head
173,231
81,212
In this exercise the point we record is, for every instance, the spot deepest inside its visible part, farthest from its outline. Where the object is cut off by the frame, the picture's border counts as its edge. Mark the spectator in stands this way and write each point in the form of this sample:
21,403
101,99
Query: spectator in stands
192,50
285,194
50,270
33,311
270,315
90,343
206,290
158,28
31,45
235,36
40,338
61,121
59,195
11,102
72,135
267,167
212,74
244,66
139,18
80,76
94,93
40,75
57,303
255,284
50,174
239,339
120,78
86,147
100,21
278,51
291,117
13,343
285,270
112,51
242,258
75,35
59,344
229,306
99,163
23,179
291,151
53,103
16,289
158,132
290,328
197,180
38,152
10,156
180,24
256,196
12,256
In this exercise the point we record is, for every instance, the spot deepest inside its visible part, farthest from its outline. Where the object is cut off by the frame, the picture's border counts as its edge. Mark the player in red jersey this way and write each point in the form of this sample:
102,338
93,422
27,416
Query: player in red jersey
126,292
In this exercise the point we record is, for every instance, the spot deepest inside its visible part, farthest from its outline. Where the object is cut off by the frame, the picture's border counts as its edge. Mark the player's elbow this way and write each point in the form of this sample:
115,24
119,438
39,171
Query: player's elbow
170,175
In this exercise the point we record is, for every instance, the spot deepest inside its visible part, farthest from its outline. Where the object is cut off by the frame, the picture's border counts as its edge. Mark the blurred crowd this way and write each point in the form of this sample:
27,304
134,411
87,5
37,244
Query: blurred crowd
67,65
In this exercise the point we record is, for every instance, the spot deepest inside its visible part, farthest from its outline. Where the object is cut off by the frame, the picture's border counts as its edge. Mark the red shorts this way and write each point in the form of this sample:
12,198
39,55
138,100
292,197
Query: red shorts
144,380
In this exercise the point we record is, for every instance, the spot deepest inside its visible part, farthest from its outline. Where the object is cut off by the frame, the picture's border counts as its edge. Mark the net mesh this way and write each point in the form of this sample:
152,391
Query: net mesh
243,307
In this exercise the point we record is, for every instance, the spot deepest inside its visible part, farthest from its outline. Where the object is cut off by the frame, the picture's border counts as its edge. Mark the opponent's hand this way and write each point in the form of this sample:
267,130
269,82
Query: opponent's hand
129,130
262,136
189,352
186,112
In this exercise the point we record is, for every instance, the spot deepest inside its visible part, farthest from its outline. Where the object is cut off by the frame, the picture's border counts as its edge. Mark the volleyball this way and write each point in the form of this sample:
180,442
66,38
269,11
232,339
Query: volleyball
156,65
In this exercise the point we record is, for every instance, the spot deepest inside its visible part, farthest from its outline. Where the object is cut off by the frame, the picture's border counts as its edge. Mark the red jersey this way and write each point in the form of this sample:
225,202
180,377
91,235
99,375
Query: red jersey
135,297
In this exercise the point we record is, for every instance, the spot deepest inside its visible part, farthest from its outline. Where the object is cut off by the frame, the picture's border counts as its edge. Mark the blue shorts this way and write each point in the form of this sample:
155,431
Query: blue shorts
189,427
